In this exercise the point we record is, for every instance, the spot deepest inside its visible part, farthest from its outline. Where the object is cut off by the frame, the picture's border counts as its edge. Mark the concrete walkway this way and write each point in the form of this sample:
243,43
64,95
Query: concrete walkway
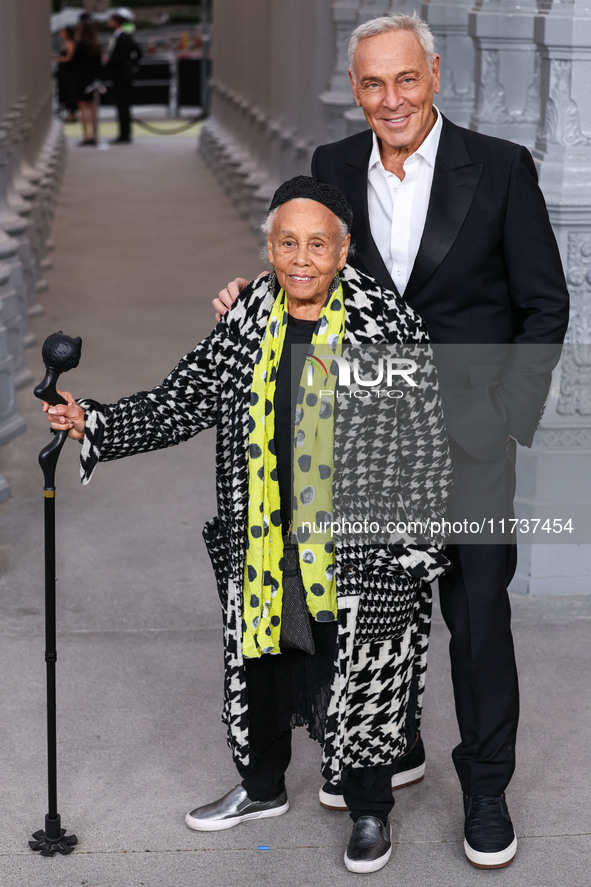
144,238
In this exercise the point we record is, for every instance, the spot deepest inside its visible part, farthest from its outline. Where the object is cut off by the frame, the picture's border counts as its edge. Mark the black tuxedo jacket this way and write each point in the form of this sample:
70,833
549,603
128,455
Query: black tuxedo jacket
123,60
487,274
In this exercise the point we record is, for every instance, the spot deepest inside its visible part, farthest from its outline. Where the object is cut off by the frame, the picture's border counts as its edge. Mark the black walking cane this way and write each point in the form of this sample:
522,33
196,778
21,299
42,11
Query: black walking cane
60,354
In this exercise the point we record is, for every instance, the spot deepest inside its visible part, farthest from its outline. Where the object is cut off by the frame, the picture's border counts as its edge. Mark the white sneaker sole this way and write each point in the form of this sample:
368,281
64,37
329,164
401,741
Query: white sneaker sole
332,802
217,825
372,865
491,860
408,777
399,780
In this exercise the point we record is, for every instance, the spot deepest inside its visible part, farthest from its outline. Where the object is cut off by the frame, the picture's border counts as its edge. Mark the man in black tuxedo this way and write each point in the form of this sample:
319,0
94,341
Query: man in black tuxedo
480,264
124,57
455,222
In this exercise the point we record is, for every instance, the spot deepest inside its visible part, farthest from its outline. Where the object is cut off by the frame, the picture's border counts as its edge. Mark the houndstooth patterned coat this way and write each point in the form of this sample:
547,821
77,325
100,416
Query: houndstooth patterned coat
383,591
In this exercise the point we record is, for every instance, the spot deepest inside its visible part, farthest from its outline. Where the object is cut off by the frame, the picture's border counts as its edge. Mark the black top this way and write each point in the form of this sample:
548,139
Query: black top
123,60
289,373
86,68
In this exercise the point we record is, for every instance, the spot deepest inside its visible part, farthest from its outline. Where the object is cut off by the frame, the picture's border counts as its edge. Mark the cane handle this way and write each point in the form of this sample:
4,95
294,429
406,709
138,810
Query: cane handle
60,353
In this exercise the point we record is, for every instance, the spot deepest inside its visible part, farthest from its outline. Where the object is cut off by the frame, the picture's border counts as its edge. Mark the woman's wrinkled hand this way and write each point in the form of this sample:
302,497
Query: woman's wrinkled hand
68,417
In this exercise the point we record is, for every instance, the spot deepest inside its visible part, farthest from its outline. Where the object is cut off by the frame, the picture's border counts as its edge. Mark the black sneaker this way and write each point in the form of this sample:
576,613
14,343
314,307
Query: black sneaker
489,838
409,769
369,846
331,796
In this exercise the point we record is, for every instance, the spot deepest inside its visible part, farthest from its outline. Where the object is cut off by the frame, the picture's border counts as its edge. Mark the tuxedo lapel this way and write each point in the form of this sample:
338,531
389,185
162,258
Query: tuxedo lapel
352,180
455,180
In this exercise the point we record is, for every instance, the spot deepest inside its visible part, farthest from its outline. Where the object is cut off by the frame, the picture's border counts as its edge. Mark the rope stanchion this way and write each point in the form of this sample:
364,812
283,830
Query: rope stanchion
98,88
170,132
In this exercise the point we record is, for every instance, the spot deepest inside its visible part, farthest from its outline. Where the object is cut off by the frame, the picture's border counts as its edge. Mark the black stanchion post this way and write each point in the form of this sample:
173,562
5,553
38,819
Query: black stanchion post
60,354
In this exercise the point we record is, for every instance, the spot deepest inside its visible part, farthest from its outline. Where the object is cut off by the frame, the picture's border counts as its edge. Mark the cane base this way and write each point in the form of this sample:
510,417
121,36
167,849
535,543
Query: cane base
53,839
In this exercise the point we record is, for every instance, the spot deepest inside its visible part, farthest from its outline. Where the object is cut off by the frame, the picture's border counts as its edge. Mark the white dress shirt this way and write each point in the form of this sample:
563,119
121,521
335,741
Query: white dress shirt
398,208
113,40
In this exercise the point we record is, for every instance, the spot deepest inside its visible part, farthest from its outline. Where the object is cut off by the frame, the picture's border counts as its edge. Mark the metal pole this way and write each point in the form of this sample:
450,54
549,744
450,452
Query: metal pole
50,649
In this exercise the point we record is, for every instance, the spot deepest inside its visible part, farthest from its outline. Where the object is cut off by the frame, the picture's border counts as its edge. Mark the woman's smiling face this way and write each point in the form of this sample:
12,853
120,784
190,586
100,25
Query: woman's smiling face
306,248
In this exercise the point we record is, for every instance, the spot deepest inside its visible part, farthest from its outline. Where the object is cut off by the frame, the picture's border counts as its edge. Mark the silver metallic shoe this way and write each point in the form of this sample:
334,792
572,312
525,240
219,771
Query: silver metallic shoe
233,808
369,846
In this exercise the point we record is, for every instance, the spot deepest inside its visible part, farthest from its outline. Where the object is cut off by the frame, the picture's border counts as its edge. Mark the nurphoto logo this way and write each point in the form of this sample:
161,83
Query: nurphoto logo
378,379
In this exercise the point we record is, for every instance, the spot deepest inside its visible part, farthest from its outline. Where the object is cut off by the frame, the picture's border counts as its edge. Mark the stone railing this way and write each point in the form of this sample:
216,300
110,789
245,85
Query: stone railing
32,150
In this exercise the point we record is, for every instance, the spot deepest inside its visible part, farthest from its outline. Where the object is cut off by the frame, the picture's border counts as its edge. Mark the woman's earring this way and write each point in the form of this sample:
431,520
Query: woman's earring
334,284
272,279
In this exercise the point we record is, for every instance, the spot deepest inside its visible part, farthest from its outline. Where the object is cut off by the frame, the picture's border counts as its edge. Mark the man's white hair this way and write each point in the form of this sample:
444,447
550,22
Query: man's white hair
398,22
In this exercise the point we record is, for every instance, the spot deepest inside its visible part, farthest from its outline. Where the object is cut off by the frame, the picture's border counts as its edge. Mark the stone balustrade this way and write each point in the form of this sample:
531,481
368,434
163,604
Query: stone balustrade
32,151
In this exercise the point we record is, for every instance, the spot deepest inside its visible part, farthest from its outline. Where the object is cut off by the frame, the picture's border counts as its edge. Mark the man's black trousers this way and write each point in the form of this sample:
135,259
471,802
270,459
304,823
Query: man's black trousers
476,609
122,98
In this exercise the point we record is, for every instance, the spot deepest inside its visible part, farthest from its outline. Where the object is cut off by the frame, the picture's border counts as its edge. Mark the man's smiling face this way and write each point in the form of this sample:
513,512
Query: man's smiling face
394,84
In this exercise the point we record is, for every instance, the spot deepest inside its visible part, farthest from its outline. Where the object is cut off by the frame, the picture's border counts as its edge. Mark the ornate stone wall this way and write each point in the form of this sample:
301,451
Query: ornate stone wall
269,56
562,151
31,160
520,71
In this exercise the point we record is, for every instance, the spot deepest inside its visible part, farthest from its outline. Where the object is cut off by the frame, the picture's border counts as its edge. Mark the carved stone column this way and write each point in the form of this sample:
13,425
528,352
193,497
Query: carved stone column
15,226
369,9
265,118
338,98
293,117
448,20
508,69
11,423
404,7
13,223
555,471
14,307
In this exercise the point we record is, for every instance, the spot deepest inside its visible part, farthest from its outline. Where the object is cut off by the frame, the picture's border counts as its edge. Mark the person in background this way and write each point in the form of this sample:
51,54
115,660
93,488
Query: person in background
86,68
122,61
129,19
64,74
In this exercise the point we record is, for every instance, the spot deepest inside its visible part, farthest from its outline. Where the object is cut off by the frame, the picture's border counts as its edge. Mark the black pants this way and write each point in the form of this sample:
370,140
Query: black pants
475,606
122,99
367,790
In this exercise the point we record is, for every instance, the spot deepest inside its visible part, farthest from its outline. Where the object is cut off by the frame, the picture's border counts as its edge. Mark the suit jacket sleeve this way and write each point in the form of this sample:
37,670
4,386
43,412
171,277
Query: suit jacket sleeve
125,55
540,296
138,52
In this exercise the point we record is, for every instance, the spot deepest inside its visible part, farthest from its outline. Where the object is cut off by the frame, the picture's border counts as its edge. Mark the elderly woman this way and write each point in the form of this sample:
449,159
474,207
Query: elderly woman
327,633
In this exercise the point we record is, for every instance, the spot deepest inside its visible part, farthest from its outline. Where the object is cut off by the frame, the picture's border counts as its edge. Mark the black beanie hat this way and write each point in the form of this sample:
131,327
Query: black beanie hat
309,189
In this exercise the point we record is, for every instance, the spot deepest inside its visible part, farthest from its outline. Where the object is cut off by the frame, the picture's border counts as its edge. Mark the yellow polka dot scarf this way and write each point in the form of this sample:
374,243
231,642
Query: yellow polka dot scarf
312,472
